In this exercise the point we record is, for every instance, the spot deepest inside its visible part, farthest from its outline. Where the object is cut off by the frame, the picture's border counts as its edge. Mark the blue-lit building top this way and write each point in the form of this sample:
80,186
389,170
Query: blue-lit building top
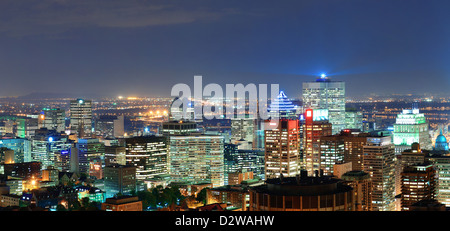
283,106
441,143
323,78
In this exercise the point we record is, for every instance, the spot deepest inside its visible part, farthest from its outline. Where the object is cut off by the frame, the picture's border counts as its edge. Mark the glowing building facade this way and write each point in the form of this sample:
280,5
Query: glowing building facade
418,183
148,154
411,127
197,159
282,149
378,161
316,126
326,94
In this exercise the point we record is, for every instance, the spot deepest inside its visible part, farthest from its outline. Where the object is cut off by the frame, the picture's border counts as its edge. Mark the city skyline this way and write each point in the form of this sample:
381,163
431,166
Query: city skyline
145,47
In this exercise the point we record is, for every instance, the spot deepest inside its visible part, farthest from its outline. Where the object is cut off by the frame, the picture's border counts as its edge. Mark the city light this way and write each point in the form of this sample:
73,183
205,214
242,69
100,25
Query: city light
310,106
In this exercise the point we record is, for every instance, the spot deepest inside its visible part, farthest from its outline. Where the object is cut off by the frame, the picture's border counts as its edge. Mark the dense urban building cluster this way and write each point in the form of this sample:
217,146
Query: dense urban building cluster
130,154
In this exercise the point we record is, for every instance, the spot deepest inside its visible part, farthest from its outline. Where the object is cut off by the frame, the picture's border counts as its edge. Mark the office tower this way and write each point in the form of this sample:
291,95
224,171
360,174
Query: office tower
442,166
378,161
331,153
326,94
46,145
148,154
15,185
52,119
62,160
90,151
282,149
236,160
81,117
353,119
314,128
243,132
9,125
115,155
418,183
362,185
410,127
413,156
25,126
353,144
179,127
283,108
119,179
197,159
302,193
109,126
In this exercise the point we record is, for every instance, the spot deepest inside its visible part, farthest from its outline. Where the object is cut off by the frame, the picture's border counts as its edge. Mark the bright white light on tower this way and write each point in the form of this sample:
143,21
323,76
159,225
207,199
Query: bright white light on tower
323,75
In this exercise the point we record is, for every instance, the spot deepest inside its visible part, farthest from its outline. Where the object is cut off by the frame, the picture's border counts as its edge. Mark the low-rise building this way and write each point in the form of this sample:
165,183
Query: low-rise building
122,203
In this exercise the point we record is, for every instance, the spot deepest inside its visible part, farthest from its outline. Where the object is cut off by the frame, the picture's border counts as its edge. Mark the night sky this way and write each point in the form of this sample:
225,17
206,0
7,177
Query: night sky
143,48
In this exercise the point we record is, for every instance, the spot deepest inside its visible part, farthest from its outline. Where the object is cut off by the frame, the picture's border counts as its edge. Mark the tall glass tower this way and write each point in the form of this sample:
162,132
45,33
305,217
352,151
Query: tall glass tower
326,94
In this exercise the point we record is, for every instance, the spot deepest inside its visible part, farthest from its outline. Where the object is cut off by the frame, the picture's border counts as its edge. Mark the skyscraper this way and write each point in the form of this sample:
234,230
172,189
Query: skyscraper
197,159
314,128
148,154
282,149
331,153
378,161
353,119
326,94
243,132
52,119
81,117
90,151
21,147
418,183
46,146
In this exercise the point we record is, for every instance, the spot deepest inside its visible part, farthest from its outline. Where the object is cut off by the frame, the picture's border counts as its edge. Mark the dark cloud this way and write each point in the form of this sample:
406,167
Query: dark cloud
145,47
20,18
